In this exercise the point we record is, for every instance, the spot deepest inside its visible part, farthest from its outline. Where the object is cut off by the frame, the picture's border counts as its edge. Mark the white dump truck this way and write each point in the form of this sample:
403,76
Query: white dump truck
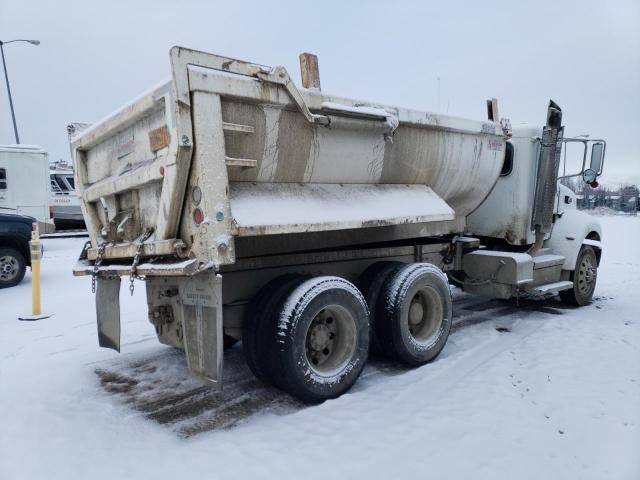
316,228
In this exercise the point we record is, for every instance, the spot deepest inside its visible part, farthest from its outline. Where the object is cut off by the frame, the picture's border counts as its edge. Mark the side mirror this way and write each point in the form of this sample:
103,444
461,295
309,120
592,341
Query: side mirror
589,175
597,158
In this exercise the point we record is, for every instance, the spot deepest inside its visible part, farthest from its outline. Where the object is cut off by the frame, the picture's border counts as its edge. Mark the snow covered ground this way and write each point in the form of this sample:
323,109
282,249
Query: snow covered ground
540,391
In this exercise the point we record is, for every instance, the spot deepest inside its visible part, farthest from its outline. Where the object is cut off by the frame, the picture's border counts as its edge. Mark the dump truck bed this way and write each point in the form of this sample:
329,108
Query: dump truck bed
229,149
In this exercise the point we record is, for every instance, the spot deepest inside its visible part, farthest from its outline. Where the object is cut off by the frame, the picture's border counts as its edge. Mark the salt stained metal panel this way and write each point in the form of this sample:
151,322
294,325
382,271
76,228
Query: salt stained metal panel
275,208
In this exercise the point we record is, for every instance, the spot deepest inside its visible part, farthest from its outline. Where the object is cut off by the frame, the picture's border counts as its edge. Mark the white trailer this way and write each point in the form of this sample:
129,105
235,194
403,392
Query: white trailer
24,183
317,228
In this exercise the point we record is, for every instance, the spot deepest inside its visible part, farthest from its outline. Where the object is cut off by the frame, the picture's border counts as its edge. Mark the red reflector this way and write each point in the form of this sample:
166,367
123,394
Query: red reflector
594,184
51,212
198,216
162,171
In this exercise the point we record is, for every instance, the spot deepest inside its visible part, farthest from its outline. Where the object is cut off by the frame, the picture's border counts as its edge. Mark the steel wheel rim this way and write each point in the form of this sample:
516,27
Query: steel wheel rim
587,274
8,268
330,341
425,315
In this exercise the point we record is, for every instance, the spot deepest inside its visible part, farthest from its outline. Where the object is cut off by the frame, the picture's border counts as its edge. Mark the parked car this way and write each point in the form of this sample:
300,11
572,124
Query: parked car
15,233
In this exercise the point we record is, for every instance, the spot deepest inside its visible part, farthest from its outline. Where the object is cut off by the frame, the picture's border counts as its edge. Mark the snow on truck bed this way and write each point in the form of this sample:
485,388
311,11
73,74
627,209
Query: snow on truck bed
314,207
531,391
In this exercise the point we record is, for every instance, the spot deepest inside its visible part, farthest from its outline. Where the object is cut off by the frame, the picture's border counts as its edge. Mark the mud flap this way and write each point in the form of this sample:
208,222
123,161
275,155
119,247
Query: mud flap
108,312
201,297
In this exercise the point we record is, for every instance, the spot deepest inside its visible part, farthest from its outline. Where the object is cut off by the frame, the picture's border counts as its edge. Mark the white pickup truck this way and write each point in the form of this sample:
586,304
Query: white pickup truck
316,228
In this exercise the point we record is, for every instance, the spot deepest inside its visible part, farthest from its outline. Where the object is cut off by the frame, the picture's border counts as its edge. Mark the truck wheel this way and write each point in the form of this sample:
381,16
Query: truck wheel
322,339
369,284
584,279
415,314
12,267
258,324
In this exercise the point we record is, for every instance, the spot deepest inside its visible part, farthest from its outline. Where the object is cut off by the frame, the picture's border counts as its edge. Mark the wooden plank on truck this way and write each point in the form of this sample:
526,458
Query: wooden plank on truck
309,70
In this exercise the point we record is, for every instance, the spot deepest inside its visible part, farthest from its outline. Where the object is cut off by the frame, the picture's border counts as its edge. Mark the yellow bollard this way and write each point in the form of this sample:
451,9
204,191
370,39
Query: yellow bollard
36,257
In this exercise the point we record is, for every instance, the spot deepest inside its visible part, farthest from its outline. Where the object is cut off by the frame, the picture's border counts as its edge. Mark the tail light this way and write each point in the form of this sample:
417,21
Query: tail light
198,216
51,211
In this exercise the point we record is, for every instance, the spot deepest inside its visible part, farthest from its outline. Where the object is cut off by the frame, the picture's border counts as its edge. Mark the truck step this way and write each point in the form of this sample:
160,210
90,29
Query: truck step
550,288
545,261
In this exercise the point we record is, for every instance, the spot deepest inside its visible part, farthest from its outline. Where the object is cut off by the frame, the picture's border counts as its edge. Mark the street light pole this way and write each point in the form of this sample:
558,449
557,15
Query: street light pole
6,78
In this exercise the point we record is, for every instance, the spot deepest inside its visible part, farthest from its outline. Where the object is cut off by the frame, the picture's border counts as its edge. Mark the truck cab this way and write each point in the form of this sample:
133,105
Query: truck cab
505,220
507,212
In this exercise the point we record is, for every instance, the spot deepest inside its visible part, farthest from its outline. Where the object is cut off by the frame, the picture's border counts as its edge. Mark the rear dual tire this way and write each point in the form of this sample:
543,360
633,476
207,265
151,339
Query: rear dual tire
307,336
370,284
322,340
311,336
413,315
258,329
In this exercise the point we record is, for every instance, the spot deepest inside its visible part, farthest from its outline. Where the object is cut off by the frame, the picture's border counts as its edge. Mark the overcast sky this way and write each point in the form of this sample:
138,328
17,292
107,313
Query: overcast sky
97,55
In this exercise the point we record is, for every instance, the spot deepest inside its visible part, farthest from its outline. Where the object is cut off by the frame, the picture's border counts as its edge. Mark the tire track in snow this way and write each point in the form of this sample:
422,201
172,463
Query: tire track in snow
160,387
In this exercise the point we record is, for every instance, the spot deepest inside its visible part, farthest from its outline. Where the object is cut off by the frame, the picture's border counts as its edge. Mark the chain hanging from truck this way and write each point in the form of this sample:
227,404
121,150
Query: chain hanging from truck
96,265
136,258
